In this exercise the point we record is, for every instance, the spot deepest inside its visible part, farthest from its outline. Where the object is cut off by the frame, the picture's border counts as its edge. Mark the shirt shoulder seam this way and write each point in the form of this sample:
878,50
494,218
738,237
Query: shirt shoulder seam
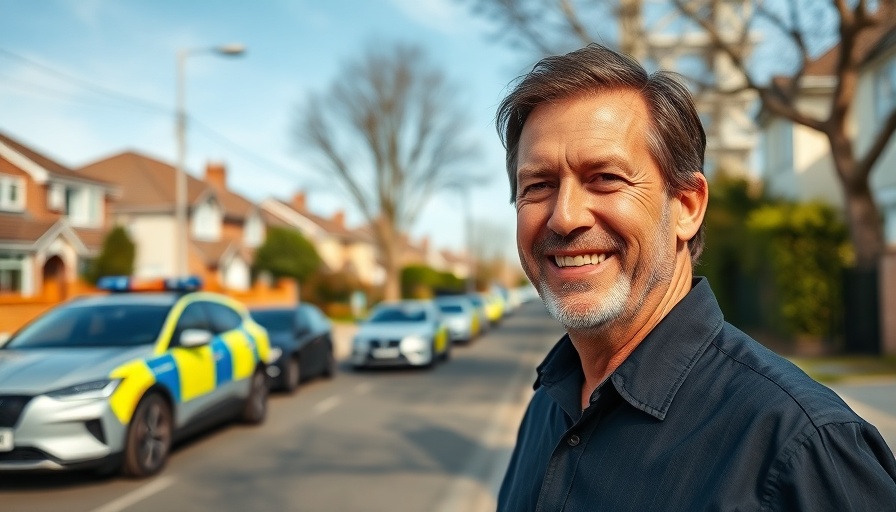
783,460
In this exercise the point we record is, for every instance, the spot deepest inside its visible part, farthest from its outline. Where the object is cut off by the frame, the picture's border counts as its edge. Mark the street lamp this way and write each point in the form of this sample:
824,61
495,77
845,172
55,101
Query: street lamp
181,242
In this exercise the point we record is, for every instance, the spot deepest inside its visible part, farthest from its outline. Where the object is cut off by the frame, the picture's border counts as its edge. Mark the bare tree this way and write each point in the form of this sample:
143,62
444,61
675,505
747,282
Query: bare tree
390,133
551,26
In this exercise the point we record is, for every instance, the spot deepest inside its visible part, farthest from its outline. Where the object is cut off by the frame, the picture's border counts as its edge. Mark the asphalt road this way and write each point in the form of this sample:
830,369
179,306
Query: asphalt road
434,440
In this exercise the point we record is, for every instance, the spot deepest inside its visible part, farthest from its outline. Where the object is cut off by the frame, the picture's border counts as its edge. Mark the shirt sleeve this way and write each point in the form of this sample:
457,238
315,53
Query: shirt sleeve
838,466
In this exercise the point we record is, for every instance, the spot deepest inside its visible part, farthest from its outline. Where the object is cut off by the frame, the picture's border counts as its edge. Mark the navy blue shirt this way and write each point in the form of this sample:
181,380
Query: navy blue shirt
699,417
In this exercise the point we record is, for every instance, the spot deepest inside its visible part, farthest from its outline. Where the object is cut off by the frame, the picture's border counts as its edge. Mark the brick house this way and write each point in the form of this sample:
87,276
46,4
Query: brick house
224,228
52,221
340,248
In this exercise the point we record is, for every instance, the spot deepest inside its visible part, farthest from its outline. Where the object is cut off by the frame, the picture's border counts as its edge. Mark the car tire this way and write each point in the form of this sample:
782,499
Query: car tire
292,374
330,365
255,407
149,437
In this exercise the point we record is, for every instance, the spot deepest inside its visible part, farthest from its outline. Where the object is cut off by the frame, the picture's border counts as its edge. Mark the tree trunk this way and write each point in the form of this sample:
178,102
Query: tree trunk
392,286
862,214
391,260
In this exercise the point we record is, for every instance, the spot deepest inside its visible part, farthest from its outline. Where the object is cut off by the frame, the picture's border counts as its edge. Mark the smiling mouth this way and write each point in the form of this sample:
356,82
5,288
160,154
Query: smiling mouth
580,260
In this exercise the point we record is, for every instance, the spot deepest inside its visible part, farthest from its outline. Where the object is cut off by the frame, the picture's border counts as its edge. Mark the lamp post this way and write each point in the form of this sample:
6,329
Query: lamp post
180,186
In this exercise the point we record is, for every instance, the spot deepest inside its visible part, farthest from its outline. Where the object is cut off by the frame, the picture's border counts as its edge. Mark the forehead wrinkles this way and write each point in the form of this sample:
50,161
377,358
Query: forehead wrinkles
573,127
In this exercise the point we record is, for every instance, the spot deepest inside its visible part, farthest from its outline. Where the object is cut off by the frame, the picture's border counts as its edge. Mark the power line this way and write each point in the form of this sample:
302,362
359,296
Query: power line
90,86
240,150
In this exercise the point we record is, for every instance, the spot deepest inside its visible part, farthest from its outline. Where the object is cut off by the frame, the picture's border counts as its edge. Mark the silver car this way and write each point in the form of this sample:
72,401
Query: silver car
401,333
461,317
109,382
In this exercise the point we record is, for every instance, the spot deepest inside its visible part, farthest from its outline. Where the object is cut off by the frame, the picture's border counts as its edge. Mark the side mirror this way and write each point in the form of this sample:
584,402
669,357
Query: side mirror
195,338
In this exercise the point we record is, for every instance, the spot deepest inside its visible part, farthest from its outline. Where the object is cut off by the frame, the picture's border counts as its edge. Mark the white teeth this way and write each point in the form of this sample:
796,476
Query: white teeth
580,260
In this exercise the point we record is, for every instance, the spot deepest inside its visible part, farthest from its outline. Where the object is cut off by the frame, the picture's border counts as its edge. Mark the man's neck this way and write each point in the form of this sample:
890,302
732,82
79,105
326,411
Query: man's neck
602,350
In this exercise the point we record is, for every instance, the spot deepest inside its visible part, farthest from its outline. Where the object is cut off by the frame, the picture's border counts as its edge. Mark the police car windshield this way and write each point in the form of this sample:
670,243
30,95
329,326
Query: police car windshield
397,315
96,325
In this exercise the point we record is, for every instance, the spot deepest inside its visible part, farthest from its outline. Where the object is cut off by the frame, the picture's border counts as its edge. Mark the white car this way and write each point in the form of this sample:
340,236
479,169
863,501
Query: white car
461,317
401,333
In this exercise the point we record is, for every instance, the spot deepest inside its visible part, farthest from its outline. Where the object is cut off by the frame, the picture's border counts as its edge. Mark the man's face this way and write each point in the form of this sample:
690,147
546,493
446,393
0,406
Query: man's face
594,232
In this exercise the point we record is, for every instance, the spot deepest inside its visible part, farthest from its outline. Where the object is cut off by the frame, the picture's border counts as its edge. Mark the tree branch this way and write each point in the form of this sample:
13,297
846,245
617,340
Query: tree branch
866,164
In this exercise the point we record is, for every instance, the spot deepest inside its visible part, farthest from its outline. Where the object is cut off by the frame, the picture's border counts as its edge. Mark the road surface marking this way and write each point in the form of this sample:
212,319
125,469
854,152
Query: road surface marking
139,494
363,388
326,404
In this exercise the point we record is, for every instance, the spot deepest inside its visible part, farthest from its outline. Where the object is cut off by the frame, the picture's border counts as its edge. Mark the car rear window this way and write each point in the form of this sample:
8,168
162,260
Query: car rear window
398,315
275,321
99,325
450,308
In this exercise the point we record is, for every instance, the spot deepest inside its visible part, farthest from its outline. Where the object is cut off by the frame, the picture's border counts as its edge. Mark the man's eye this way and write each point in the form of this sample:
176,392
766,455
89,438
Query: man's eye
534,187
606,177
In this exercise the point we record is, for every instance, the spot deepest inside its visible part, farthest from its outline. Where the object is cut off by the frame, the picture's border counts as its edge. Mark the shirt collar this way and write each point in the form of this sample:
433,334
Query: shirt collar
652,374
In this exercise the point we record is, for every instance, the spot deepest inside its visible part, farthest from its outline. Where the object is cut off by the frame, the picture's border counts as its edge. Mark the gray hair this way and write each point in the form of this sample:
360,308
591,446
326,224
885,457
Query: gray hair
675,137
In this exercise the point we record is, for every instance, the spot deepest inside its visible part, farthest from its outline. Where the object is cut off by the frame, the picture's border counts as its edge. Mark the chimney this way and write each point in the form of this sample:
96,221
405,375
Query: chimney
298,201
216,175
339,219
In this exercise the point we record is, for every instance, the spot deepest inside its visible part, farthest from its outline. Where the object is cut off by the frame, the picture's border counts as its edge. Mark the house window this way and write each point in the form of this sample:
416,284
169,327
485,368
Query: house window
778,148
56,197
207,222
885,91
12,193
11,268
253,234
83,205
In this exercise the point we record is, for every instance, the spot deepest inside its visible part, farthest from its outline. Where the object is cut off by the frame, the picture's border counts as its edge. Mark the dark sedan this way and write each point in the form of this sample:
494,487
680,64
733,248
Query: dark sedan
301,344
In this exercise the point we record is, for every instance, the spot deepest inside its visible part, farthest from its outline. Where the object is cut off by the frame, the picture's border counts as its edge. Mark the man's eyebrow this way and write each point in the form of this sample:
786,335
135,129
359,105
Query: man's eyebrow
534,172
608,161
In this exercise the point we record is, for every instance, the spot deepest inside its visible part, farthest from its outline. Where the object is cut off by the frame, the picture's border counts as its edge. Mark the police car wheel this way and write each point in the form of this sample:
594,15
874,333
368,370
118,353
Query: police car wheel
256,405
149,437
292,374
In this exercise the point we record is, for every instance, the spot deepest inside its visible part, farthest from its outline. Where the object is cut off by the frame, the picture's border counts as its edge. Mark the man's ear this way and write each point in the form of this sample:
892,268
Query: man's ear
692,208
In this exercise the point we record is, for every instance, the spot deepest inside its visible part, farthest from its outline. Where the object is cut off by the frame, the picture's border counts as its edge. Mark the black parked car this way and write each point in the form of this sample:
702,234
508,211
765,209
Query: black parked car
301,344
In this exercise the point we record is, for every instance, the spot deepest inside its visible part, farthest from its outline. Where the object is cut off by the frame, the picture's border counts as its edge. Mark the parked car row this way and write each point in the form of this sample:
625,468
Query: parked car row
422,332
110,382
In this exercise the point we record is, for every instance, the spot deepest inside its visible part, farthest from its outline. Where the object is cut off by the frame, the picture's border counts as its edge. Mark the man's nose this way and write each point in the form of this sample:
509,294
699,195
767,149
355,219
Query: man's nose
570,209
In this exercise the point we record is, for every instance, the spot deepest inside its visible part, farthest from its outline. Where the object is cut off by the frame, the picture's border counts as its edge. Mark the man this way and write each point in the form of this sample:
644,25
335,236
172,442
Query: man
651,401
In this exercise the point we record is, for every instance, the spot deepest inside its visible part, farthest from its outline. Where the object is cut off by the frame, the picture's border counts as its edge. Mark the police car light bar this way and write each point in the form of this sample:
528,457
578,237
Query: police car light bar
130,284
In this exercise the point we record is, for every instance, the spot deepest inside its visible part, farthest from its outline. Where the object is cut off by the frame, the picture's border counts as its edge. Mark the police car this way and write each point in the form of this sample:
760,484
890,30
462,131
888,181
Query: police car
110,381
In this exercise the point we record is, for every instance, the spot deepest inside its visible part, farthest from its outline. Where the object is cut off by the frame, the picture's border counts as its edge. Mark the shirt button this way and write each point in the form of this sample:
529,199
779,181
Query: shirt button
573,440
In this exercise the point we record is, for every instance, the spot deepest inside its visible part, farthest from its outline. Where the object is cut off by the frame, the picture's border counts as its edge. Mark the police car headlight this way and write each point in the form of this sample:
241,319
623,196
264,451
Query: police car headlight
86,391
413,344
274,355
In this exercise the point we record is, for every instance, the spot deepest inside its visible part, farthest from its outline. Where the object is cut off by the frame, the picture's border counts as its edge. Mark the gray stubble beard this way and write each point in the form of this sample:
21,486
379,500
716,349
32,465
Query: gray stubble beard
594,316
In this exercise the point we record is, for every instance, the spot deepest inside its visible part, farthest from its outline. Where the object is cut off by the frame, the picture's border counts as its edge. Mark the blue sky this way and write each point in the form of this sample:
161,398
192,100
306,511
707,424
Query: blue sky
294,47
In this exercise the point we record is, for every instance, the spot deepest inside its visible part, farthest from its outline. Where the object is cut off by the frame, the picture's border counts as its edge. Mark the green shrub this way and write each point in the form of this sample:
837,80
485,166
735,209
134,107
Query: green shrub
423,282
807,247
116,257
286,253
